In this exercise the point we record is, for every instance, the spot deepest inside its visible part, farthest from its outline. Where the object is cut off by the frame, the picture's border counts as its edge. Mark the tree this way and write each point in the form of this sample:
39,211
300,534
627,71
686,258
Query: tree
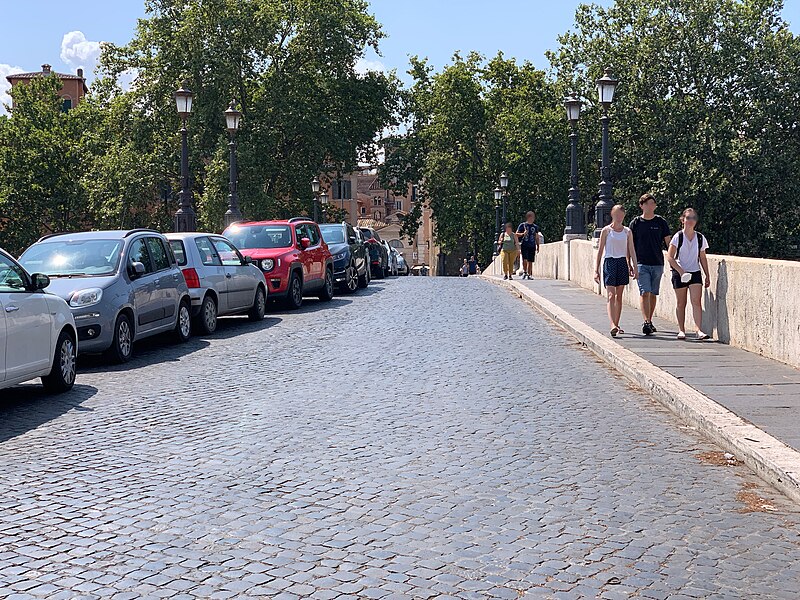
701,114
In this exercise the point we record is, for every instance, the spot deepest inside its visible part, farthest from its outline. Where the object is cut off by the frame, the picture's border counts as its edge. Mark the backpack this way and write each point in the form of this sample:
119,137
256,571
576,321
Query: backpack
699,244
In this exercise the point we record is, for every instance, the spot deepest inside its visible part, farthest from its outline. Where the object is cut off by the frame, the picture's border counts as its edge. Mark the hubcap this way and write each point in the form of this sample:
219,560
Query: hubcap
124,337
261,302
297,293
211,315
352,278
185,324
67,361
329,283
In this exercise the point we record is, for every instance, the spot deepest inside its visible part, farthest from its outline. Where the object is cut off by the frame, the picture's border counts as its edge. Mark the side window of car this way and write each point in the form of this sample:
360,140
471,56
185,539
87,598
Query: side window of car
227,253
351,234
313,234
138,253
208,254
300,232
12,277
158,253
179,251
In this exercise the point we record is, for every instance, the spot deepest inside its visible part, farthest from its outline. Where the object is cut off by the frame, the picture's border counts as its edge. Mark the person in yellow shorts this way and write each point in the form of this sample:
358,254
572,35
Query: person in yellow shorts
509,250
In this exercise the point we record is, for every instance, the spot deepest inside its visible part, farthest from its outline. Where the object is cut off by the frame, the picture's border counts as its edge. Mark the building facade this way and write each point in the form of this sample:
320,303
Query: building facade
73,90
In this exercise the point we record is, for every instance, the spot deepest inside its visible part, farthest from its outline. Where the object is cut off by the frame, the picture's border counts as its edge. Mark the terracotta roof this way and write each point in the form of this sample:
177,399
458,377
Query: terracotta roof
40,74
372,224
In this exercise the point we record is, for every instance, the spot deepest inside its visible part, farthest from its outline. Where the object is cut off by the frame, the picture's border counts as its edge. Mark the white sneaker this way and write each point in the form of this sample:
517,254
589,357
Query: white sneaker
702,336
681,335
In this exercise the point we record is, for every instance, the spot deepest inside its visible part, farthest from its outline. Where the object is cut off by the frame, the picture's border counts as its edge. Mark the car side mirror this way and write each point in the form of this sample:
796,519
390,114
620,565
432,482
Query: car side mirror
39,281
305,243
247,260
136,270
351,240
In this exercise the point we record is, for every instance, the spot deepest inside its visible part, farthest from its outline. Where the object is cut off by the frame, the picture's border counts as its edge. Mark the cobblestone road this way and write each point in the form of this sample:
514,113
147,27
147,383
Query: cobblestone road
427,438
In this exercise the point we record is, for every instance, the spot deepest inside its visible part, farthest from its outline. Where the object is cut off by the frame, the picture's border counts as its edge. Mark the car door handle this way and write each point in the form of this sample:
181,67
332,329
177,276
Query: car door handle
12,308
227,275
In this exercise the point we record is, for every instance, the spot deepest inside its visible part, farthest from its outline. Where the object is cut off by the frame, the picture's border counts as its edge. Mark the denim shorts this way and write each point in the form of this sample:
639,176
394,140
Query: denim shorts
650,279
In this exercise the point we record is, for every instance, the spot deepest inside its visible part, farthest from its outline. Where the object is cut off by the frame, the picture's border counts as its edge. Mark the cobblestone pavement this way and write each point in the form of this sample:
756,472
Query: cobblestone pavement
426,438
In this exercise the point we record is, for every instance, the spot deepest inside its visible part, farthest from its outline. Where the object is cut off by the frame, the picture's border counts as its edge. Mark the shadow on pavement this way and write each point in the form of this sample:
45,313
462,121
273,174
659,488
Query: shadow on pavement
156,349
26,407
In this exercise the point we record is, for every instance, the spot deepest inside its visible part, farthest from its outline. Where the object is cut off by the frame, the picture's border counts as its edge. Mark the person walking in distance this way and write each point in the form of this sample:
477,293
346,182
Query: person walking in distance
687,255
465,269
528,234
651,234
509,249
473,265
619,264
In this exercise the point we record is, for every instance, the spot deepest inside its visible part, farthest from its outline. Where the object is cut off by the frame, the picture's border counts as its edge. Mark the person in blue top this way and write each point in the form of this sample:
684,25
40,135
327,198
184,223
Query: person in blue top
528,234
473,265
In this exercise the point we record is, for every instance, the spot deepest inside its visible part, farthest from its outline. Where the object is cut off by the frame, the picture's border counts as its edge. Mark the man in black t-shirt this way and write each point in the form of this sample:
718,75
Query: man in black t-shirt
528,234
650,235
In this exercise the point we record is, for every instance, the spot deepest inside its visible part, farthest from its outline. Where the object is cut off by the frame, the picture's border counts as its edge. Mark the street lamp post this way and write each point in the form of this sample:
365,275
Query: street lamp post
606,86
324,201
315,189
232,120
185,218
498,200
504,187
575,218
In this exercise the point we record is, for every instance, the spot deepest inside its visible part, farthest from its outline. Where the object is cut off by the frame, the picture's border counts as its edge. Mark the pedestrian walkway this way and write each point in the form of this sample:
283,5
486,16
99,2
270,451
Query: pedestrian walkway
760,390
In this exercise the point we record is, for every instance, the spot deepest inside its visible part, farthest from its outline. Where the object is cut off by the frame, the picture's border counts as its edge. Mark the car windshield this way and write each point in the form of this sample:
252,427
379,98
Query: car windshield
259,236
64,258
367,234
332,234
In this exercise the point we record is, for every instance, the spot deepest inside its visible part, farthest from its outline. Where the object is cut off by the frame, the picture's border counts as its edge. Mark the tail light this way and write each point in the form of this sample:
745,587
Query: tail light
191,277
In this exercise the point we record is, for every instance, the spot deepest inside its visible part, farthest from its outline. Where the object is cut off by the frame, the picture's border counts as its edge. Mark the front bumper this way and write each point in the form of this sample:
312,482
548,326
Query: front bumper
95,331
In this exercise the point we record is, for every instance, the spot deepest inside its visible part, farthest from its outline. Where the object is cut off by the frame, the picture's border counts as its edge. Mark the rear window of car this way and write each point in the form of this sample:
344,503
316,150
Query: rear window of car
179,251
332,234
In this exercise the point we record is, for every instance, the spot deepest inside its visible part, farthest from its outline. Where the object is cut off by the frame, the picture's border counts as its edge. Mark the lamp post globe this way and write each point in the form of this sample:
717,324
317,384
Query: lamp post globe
324,201
498,201
504,189
315,186
233,119
575,226
185,218
606,87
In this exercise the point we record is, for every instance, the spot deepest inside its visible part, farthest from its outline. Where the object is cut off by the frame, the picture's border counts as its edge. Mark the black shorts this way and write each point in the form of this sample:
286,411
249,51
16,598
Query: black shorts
615,272
697,279
529,253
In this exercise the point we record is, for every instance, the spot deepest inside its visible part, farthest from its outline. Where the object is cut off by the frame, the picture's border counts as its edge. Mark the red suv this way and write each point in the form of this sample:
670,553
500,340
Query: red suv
292,255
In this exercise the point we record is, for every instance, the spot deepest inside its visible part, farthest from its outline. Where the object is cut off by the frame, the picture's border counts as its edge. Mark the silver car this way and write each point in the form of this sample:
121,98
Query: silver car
402,265
221,281
391,269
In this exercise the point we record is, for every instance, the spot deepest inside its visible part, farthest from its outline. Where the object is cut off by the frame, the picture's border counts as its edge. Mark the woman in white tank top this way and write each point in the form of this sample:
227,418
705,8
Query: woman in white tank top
619,264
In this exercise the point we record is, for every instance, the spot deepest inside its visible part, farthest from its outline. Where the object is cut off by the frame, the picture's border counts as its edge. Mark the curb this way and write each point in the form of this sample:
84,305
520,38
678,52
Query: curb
772,460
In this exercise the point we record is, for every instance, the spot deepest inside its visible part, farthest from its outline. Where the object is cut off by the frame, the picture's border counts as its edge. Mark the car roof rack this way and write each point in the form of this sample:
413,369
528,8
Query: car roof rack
52,235
140,230
296,219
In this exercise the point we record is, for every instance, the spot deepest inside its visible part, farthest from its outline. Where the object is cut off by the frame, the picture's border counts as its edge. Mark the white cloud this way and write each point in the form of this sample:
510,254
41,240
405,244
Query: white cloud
126,79
364,66
5,71
78,52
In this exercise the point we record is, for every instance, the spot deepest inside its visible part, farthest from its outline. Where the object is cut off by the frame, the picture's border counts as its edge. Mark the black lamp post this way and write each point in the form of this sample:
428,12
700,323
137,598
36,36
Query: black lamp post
498,202
606,86
504,187
575,219
232,120
315,189
185,218
324,201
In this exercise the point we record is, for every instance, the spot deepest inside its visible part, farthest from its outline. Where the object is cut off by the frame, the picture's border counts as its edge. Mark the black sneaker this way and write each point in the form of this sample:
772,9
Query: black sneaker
652,327
646,328
505,276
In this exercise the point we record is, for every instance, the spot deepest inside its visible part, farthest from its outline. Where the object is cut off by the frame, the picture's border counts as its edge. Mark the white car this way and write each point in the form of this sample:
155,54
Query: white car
221,281
37,330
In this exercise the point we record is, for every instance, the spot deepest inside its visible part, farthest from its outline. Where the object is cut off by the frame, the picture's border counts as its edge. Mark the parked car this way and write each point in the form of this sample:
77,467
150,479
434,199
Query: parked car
378,257
402,265
121,286
37,331
392,258
350,256
292,255
220,280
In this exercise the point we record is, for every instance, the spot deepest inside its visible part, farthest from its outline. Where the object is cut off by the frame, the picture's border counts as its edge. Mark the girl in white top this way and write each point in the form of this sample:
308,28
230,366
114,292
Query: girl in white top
686,256
619,264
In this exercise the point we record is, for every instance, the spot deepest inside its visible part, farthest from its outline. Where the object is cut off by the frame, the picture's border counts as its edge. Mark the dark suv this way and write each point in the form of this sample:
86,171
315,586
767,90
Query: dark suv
292,255
350,256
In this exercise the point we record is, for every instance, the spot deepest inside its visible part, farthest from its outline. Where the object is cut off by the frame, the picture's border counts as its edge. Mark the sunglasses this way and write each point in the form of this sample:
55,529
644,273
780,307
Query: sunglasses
690,218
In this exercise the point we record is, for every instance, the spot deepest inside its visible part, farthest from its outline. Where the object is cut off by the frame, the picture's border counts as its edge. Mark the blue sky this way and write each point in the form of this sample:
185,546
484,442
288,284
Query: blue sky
34,30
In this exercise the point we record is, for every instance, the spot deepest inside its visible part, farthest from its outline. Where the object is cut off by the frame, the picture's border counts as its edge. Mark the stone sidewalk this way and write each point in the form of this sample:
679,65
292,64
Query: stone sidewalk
761,391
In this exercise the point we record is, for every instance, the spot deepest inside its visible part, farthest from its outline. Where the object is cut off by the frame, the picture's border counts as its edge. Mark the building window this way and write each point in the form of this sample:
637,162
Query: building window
66,104
363,210
342,189
377,201
398,205
377,215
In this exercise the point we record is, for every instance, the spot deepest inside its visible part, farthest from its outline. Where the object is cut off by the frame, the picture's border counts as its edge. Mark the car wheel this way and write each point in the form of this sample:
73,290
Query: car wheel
363,280
259,306
294,297
183,324
378,273
351,278
207,319
62,376
122,346
326,294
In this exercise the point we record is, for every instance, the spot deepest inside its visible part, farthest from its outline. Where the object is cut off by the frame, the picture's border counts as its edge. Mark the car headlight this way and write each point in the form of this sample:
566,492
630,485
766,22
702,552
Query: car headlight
340,256
267,264
86,297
